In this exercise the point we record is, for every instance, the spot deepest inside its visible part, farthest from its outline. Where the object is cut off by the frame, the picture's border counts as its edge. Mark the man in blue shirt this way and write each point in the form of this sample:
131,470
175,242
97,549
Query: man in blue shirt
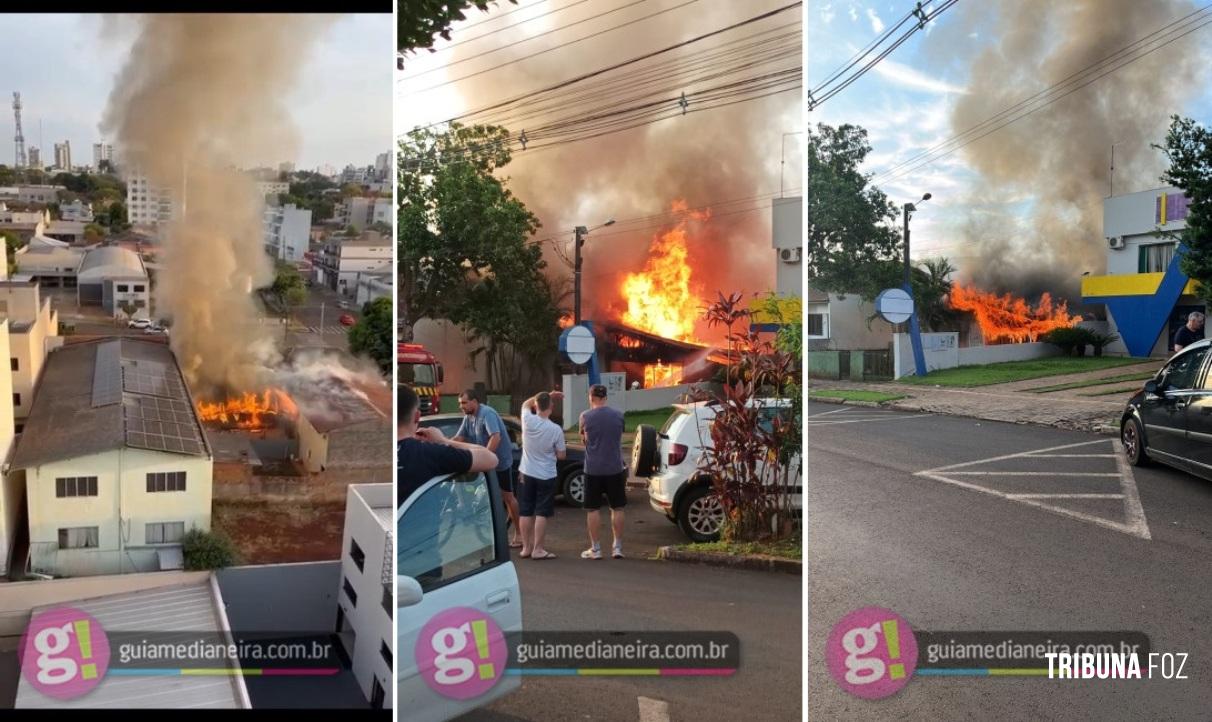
482,425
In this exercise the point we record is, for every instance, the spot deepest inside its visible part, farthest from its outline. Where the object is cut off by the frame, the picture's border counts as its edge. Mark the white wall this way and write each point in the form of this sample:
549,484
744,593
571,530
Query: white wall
941,351
11,494
370,621
576,396
787,231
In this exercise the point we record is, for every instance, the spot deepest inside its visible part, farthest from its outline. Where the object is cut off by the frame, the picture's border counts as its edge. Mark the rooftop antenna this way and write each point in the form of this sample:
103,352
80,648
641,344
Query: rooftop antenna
19,139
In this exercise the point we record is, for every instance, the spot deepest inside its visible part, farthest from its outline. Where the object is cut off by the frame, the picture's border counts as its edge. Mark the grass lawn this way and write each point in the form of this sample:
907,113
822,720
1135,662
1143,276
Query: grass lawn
854,395
1121,391
1092,382
1000,373
656,417
787,549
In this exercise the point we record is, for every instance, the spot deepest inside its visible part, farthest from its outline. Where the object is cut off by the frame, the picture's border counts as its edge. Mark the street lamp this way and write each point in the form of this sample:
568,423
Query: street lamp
580,233
915,332
910,208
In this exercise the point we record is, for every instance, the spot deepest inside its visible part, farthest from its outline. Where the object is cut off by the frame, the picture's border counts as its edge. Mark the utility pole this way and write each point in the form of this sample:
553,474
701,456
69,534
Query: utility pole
579,240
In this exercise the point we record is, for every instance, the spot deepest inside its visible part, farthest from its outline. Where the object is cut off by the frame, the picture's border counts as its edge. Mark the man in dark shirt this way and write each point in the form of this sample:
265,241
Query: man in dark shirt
605,470
1190,333
423,453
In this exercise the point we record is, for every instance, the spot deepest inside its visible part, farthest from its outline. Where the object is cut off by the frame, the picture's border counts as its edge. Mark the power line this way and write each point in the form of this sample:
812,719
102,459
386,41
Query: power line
1107,65
861,54
511,12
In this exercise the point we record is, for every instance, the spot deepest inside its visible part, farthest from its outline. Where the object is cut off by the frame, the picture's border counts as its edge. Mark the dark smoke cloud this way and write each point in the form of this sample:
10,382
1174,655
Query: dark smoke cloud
1060,156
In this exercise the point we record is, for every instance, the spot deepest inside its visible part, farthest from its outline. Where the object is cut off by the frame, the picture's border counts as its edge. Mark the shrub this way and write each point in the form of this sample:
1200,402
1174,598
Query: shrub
1100,341
1072,341
207,550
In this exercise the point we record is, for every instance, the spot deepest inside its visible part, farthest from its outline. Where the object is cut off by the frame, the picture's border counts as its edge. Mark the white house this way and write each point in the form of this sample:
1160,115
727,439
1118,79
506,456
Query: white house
287,232
12,493
366,598
77,210
116,464
339,262
110,276
49,261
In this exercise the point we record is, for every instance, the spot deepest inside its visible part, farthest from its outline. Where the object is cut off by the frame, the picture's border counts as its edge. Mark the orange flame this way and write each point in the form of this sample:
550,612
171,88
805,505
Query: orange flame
660,298
659,374
249,411
1011,319
566,320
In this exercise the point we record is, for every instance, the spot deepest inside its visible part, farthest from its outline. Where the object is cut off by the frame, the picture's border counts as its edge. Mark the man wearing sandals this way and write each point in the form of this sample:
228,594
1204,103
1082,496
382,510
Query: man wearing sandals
605,470
542,446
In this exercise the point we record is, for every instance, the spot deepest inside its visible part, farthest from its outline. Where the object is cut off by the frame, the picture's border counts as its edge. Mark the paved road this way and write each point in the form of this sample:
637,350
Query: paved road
971,546
763,609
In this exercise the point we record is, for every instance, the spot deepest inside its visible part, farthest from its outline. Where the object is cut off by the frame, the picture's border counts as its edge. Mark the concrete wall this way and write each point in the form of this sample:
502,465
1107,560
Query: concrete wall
446,341
824,365
370,621
119,512
787,231
941,351
1134,216
576,396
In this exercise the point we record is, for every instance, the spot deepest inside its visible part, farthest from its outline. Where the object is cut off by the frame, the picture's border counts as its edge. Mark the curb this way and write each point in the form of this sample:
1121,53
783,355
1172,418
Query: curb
849,402
754,562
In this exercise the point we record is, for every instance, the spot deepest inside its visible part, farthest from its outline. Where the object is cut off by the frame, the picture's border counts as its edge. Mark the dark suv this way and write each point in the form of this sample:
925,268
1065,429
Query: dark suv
1170,419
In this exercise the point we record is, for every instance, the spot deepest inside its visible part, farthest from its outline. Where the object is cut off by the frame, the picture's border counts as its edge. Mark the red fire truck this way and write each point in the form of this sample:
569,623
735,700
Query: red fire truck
419,368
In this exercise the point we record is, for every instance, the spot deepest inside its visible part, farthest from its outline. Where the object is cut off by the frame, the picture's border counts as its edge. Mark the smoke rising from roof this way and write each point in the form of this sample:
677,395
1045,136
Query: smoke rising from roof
1060,156
198,95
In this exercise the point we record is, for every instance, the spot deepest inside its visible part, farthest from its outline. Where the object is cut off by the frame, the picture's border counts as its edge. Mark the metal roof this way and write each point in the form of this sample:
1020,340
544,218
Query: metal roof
184,608
108,261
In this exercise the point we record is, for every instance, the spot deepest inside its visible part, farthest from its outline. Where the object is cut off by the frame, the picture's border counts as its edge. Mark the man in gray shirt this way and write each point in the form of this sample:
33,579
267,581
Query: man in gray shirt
605,470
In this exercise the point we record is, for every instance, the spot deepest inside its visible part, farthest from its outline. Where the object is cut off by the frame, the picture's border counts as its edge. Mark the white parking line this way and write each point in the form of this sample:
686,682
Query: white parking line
882,417
1029,473
653,710
1065,496
835,411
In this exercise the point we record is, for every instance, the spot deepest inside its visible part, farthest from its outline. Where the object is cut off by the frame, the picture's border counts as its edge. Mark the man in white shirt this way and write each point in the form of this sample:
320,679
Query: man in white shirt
542,446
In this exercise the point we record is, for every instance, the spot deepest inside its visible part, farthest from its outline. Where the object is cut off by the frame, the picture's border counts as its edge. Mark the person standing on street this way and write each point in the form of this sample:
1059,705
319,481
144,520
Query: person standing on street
605,470
542,446
1190,333
483,425
423,453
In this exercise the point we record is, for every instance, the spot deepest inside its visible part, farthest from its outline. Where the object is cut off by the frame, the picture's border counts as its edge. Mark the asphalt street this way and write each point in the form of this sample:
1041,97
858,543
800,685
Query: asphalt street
1010,527
642,594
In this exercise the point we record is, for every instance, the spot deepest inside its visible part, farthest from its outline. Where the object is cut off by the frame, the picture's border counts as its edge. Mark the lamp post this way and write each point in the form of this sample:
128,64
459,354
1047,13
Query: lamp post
915,331
580,233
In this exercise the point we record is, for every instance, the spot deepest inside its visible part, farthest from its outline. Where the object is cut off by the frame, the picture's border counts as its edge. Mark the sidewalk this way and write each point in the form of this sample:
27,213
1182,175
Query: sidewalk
1012,402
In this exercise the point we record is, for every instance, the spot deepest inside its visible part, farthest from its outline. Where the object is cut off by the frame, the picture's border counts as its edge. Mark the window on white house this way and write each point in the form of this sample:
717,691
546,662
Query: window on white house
123,288
1155,257
357,555
67,486
165,532
79,537
817,318
166,481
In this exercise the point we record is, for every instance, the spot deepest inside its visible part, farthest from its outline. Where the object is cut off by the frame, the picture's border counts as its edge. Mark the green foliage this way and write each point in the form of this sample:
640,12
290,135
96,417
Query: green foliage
374,334
1189,149
128,308
463,250
1073,340
380,227
93,232
288,285
854,245
207,550
115,216
351,230
931,283
420,22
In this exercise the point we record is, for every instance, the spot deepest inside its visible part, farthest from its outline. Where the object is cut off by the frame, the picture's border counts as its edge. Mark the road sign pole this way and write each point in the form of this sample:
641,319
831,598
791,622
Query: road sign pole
915,337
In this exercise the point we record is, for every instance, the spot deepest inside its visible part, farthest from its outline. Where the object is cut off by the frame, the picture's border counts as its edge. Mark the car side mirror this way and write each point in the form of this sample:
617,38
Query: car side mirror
408,592
1151,387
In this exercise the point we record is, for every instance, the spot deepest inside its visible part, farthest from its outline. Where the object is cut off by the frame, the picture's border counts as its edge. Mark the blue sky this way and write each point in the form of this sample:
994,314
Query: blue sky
63,68
906,101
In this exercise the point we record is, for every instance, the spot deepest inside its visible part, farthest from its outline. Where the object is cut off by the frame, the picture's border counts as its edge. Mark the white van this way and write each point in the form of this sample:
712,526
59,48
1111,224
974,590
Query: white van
453,551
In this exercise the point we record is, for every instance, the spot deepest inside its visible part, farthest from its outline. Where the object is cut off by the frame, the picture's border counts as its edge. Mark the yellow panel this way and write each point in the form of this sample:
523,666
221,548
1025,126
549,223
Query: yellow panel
790,307
1130,284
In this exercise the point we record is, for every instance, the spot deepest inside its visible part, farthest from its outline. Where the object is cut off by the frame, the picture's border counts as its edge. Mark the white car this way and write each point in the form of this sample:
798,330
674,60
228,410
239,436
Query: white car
139,323
453,552
155,329
670,458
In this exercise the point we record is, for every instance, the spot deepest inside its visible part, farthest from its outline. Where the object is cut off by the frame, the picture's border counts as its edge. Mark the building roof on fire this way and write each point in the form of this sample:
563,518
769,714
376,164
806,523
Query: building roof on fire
99,396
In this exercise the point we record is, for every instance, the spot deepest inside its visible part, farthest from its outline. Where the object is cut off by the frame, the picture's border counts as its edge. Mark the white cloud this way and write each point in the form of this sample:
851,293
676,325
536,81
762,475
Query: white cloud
907,76
827,13
853,13
877,25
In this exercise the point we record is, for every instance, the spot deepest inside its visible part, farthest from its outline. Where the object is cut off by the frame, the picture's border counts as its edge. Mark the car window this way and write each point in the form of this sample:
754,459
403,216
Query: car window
1182,372
447,532
448,427
677,414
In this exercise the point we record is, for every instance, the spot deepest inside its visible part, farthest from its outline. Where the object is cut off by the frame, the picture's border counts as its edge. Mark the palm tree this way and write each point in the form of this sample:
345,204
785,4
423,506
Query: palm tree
931,281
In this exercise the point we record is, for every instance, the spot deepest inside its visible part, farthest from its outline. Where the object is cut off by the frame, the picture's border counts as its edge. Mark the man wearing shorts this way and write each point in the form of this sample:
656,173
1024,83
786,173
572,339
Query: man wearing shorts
542,446
605,470
482,425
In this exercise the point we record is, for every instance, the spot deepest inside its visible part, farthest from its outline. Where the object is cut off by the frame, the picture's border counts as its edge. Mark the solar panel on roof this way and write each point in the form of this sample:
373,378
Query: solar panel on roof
107,374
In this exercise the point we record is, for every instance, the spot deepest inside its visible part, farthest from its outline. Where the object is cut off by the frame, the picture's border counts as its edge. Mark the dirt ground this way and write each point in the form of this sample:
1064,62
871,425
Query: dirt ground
282,532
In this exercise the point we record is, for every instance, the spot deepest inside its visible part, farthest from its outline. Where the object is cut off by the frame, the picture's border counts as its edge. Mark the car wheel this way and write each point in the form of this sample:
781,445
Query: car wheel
700,515
1133,439
574,488
644,452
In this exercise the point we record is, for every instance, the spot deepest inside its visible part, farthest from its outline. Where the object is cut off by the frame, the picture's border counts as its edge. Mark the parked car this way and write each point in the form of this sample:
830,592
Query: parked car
139,323
347,320
342,304
1170,419
454,552
570,471
153,328
669,459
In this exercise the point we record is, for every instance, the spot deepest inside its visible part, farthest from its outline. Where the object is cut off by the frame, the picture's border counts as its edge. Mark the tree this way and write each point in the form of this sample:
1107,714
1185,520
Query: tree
288,286
419,21
351,189
1189,150
116,217
931,283
351,230
128,308
464,253
380,227
853,241
374,334
205,550
93,233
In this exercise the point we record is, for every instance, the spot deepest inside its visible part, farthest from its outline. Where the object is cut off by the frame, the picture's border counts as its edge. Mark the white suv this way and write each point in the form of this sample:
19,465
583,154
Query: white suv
453,552
670,458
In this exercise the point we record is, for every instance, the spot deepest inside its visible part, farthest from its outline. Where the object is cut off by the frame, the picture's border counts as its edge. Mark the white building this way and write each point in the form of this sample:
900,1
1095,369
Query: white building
109,276
115,462
35,159
374,284
33,332
23,217
147,204
272,188
383,166
287,232
12,495
38,193
362,211
102,152
63,155
366,598
49,261
341,260
787,232
77,210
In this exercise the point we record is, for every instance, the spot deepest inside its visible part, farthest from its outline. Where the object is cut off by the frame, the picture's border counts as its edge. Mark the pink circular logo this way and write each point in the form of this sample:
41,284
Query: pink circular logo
871,653
64,653
461,653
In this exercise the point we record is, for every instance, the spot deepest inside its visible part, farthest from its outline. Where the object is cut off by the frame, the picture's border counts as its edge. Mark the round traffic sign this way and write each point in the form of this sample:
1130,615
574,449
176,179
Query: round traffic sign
578,344
894,305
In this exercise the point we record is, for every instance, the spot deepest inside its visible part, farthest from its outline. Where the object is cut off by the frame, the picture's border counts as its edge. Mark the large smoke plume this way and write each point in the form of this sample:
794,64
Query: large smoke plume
1059,157
199,95
728,153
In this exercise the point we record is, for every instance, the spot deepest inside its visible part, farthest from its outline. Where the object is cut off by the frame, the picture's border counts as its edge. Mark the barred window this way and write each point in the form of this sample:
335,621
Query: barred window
66,486
165,481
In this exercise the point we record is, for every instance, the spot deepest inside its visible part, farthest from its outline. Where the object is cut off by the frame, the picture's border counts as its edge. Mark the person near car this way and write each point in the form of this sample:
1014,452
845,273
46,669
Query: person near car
542,446
1191,332
423,453
483,425
605,471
